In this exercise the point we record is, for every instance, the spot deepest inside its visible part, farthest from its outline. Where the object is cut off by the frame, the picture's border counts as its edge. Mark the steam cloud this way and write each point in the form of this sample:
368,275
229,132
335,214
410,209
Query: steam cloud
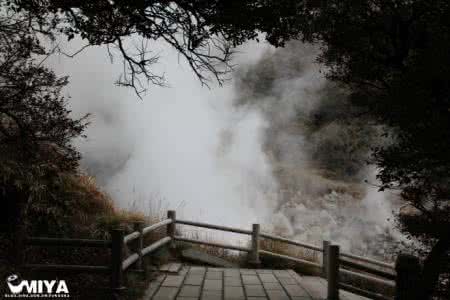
183,147
274,146
318,148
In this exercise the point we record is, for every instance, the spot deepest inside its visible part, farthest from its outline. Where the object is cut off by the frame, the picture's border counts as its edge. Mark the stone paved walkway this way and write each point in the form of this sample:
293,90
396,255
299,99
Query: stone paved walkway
204,283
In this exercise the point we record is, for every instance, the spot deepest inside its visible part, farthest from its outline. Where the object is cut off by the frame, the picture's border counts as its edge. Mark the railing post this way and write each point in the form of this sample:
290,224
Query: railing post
325,246
116,262
139,245
171,228
407,283
333,272
254,254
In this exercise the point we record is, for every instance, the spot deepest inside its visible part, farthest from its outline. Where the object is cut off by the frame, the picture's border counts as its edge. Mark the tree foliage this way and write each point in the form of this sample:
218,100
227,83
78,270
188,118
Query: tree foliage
394,57
197,30
36,129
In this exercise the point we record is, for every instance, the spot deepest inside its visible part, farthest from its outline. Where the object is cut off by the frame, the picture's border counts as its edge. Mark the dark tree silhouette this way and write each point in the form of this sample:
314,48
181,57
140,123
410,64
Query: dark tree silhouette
394,57
190,27
36,129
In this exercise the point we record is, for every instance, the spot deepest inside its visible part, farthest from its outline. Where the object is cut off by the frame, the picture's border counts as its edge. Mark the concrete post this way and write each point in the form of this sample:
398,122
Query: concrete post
333,272
325,245
139,245
116,261
254,254
407,283
171,228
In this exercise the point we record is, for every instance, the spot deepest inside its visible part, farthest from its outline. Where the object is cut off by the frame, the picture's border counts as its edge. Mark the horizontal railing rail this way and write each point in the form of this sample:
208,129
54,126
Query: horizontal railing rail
287,257
68,268
157,226
44,241
155,246
367,269
369,261
216,227
387,283
131,237
364,293
129,261
67,242
291,242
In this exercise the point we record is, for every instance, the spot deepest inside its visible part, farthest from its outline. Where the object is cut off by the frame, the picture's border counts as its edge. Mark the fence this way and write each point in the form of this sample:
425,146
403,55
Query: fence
335,264
118,263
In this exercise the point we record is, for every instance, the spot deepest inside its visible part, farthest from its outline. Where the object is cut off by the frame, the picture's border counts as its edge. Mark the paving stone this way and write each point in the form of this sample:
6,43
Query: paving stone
215,269
190,291
193,280
277,295
323,281
175,267
213,275
264,271
231,272
267,278
234,292
173,280
287,280
344,295
272,286
233,281
165,293
165,267
212,297
281,273
153,287
197,270
212,293
248,271
295,290
201,283
212,284
183,271
254,291
314,287
297,276
250,279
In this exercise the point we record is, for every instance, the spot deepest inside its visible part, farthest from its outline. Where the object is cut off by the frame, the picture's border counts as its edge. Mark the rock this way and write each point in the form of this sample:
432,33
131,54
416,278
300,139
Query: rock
201,257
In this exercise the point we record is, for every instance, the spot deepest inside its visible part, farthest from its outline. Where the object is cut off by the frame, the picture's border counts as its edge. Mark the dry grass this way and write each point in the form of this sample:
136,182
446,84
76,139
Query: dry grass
76,208
236,257
288,250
